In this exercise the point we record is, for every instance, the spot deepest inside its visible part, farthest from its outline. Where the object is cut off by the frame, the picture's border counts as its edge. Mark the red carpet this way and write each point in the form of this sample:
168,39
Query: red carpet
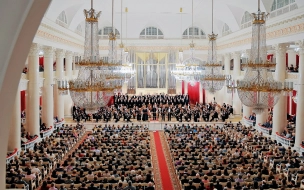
163,168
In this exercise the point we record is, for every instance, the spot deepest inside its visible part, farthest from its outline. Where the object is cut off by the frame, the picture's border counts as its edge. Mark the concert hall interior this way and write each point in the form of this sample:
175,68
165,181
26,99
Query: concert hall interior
144,95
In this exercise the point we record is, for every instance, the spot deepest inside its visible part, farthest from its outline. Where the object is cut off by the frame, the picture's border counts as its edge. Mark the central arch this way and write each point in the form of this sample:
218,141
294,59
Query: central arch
19,26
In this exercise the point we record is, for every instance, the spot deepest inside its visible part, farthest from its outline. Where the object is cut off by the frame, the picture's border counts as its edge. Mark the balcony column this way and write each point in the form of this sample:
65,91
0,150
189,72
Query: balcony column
59,99
14,140
280,109
300,101
237,104
261,118
48,94
227,97
246,111
292,57
74,65
33,115
68,103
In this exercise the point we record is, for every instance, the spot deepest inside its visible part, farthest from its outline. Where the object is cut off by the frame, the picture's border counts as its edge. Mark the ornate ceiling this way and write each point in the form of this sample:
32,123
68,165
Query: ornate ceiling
163,14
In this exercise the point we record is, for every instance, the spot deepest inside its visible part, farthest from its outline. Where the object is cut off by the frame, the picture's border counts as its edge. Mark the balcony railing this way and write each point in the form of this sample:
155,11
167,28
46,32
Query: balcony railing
283,140
248,121
264,130
301,148
47,133
12,155
30,144
59,124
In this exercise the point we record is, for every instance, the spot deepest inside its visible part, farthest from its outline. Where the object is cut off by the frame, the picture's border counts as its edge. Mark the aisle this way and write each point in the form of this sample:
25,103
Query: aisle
161,170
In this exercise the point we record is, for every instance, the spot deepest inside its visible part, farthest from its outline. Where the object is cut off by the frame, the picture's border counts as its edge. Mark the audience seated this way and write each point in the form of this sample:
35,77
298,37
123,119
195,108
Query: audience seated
248,159
34,164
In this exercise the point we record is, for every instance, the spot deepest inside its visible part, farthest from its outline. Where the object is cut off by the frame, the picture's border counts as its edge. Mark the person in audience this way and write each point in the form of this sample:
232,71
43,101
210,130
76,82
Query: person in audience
83,187
130,186
53,187
44,186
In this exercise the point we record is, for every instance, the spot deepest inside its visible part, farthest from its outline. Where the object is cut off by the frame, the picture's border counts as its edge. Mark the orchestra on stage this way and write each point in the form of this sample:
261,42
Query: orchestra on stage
160,107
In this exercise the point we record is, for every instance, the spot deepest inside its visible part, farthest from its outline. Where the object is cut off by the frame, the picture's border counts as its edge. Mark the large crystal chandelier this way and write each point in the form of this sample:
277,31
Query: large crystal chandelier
127,67
97,79
213,80
190,69
258,89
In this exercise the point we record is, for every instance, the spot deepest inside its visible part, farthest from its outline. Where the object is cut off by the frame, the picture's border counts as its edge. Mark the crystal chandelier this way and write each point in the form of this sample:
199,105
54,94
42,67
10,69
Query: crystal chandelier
295,98
97,79
127,68
258,89
213,80
190,69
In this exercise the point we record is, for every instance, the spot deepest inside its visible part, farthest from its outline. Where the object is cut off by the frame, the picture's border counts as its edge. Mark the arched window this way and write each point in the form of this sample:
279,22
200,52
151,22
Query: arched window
104,33
280,7
62,19
246,20
226,30
194,32
79,29
151,33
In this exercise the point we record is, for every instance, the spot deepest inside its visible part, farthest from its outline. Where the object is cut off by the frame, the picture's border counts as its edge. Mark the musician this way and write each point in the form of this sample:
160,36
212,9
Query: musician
145,114
214,116
116,116
169,113
154,112
196,116
127,116
163,113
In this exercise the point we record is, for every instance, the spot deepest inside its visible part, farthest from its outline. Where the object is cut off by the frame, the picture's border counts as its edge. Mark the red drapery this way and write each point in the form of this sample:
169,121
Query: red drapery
183,87
204,95
40,100
111,101
286,59
41,60
293,104
297,60
193,92
269,57
22,103
288,105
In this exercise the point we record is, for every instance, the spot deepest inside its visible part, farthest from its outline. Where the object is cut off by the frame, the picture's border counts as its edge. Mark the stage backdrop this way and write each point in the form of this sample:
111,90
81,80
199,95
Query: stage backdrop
193,92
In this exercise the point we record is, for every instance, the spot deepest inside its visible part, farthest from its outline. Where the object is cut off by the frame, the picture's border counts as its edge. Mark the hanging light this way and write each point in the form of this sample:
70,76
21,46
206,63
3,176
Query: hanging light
127,68
258,89
213,80
97,79
189,70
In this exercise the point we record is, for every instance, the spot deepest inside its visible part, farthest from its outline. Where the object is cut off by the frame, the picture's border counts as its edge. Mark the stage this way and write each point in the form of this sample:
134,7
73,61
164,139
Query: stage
153,125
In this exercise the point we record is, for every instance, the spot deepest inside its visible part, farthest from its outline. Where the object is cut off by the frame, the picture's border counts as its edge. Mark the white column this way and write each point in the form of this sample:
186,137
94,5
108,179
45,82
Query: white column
280,109
59,76
261,118
178,87
185,87
300,100
48,94
237,104
227,97
68,102
124,88
200,93
68,64
292,57
33,115
14,140
227,63
75,71
246,111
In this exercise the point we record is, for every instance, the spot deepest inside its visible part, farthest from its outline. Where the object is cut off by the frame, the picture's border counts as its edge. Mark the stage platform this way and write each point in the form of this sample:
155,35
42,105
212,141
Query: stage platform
152,125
